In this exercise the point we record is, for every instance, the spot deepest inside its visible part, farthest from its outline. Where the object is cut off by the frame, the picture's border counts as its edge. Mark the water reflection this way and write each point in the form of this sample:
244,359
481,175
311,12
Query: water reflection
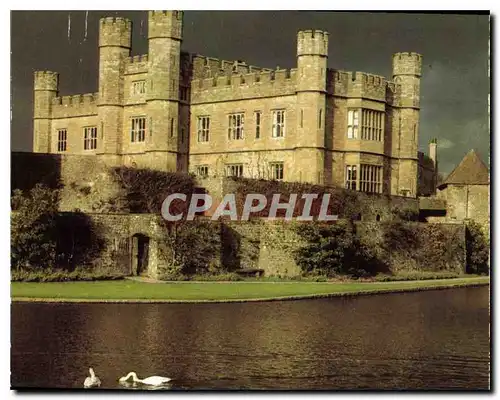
138,386
434,339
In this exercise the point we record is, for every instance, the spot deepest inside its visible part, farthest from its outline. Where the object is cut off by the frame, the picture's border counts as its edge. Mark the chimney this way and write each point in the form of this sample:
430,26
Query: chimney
433,152
433,157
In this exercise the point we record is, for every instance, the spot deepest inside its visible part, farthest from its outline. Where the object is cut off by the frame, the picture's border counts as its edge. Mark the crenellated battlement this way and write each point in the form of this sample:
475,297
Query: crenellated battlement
207,67
136,64
165,24
241,86
237,79
75,105
407,63
114,21
137,59
166,13
312,42
46,80
76,100
356,84
115,31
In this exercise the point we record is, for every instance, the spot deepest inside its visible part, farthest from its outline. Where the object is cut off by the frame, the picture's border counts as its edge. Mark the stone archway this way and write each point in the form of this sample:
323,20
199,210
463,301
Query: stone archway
140,254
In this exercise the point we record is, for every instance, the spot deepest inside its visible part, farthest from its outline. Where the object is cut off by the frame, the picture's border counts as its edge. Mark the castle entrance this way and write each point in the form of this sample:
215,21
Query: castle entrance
140,254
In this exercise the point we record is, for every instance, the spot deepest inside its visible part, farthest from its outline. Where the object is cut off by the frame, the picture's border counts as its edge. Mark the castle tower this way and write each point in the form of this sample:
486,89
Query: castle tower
162,93
45,89
115,37
406,71
312,57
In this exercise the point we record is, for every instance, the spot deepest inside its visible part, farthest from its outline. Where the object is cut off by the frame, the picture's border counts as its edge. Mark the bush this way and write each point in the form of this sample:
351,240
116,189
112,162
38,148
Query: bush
144,190
192,247
423,247
79,240
333,249
33,238
478,251
405,214
229,277
344,203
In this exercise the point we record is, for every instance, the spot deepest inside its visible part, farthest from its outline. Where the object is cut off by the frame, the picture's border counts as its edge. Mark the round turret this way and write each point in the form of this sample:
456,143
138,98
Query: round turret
312,42
407,64
115,31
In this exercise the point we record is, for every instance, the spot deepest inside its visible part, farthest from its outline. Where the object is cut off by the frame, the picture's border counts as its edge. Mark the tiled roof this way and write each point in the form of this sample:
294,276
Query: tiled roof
470,171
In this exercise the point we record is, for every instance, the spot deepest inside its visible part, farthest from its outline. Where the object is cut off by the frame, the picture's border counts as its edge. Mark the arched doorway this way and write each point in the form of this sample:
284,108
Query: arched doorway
140,254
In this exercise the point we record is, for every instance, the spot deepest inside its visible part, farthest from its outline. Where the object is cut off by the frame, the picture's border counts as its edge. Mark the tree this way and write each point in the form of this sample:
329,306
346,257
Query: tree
33,239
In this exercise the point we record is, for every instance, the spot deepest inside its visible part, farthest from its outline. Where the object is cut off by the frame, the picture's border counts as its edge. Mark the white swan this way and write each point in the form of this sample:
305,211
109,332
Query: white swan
151,380
92,380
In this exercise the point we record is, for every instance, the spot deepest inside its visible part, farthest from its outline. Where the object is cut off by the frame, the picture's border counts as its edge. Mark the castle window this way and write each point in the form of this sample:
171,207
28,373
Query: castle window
202,170
257,124
62,136
278,123
370,178
351,177
234,170
371,124
138,130
90,138
320,117
235,129
352,124
276,170
171,127
301,118
203,129
138,87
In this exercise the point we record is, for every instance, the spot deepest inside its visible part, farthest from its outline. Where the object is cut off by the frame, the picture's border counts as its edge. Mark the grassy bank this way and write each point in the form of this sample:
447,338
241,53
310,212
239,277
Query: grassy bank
128,290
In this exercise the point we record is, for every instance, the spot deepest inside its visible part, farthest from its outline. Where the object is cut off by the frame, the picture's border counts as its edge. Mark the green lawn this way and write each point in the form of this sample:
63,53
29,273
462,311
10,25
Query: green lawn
214,291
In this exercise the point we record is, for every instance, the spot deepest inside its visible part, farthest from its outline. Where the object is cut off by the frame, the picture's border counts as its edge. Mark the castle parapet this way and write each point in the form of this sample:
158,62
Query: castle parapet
136,64
75,105
361,84
234,86
207,67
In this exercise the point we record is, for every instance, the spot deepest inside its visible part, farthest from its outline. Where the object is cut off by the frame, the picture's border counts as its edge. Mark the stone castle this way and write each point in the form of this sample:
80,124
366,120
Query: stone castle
174,111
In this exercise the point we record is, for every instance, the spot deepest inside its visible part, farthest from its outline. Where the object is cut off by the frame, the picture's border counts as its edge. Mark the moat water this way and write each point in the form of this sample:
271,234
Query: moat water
425,340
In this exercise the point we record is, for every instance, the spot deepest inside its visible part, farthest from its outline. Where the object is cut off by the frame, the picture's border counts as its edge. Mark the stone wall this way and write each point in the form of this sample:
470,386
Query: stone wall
86,181
465,202
118,231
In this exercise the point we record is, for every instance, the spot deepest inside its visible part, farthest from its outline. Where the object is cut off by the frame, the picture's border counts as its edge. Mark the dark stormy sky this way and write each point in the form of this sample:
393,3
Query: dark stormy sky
455,82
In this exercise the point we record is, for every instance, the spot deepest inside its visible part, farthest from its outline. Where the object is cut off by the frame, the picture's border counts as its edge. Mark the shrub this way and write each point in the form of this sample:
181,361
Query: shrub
79,240
191,247
405,214
144,190
344,203
33,216
333,249
478,251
